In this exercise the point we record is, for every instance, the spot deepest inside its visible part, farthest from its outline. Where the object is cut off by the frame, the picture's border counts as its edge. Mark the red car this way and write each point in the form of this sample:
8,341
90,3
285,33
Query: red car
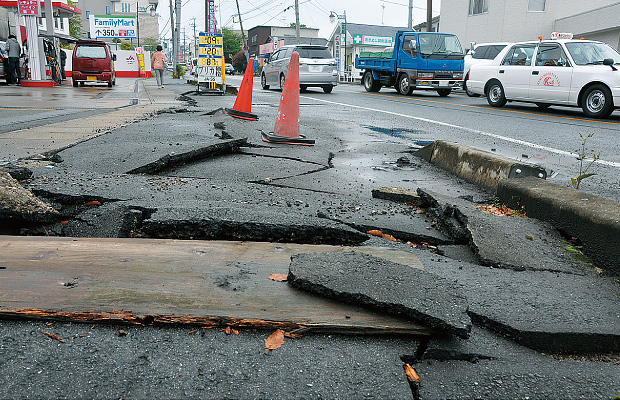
93,62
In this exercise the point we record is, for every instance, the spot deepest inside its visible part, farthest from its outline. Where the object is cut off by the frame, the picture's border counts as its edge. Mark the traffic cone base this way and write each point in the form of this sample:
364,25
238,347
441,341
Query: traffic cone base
241,114
243,104
271,138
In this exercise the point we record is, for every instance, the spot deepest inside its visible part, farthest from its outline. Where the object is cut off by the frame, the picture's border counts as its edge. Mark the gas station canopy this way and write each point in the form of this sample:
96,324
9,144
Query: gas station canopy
61,9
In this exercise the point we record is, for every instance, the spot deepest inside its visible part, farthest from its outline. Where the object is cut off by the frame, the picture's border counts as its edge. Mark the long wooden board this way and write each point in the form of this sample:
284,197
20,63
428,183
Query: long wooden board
209,283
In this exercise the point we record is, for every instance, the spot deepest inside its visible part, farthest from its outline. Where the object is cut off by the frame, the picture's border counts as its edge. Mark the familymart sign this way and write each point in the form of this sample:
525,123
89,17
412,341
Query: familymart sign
109,26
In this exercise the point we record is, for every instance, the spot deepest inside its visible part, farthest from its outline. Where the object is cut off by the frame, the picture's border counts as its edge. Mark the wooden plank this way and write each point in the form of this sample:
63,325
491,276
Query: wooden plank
207,283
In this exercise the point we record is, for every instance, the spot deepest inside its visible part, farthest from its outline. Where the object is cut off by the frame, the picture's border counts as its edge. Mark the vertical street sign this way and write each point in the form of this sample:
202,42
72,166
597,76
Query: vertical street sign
29,7
210,57
210,28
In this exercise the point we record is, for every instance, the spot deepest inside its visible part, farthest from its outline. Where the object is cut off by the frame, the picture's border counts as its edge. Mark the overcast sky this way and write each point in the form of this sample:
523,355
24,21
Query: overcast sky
313,13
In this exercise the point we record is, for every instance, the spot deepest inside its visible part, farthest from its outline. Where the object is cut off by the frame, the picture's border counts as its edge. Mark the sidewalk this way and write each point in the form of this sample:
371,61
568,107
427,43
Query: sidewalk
118,110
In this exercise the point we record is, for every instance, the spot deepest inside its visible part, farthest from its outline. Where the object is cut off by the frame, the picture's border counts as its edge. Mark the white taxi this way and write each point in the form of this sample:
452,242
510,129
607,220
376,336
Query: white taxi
560,71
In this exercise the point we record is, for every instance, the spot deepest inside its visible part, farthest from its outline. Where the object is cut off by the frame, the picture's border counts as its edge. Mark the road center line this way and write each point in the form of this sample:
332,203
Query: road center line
476,131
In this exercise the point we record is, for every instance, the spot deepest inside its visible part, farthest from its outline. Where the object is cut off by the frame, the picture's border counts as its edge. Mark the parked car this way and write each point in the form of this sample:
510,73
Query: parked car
193,67
93,62
483,53
579,73
317,67
230,70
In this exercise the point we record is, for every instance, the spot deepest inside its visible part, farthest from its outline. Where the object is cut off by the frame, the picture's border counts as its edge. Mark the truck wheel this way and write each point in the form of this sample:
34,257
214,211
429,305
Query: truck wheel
444,92
370,84
263,82
597,102
404,85
495,95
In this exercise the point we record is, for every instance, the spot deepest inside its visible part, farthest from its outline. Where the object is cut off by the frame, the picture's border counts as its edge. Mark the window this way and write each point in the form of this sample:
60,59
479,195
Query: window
254,39
91,51
107,10
551,56
62,23
87,14
56,23
126,8
520,55
478,7
410,45
480,52
536,5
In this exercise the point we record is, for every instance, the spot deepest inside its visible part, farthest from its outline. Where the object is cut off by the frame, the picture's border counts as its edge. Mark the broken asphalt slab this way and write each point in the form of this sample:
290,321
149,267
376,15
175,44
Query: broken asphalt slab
383,285
247,222
502,241
18,203
489,366
547,311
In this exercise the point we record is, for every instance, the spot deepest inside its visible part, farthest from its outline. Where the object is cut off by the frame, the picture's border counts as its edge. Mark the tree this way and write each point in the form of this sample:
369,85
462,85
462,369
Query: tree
233,43
75,23
150,44
239,61
125,45
293,25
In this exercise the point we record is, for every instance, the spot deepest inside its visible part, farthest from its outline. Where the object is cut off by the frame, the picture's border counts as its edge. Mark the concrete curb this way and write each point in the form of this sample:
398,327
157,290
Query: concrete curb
594,220
481,167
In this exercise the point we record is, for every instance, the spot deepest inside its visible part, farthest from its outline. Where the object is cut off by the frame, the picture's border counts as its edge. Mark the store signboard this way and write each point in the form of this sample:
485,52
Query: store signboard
367,40
107,26
29,7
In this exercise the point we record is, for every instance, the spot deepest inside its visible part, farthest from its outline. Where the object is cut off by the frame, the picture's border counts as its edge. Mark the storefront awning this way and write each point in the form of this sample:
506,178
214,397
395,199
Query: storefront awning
62,9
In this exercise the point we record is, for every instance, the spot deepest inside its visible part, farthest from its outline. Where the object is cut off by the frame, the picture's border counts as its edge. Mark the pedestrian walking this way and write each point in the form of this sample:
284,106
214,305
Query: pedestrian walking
158,65
15,51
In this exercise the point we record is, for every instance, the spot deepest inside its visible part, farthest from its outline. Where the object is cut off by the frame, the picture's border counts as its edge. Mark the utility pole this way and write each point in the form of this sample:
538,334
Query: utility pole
410,20
429,15
245,43
297,20
194,25
172,29
206,16
177,12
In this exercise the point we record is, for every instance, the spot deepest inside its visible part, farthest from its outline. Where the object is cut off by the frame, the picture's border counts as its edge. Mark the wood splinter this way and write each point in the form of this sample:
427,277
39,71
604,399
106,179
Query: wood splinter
414,381
61,340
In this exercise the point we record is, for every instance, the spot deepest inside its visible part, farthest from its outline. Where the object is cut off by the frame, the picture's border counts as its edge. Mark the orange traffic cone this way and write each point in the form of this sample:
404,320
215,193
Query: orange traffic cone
243,105
287,124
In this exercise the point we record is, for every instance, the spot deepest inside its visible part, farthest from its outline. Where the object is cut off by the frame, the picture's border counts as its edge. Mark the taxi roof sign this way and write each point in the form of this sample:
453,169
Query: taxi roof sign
560,35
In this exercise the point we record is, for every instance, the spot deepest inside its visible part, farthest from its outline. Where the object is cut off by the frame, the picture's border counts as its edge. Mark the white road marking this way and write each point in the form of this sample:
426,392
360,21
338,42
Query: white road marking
476,131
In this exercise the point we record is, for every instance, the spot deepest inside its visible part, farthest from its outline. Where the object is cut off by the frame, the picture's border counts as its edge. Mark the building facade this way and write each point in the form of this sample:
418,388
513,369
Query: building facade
520,20
263,40
11,22
148,25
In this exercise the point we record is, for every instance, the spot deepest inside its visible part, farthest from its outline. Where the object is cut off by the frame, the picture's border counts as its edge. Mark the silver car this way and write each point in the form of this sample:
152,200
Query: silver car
317,67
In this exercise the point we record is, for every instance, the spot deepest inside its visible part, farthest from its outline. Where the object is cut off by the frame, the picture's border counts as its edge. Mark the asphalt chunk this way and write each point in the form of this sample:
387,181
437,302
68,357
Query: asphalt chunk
385,286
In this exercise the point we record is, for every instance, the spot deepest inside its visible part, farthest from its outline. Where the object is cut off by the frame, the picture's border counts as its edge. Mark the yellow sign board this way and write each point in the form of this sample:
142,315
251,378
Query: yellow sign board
210,51
211,40
210,62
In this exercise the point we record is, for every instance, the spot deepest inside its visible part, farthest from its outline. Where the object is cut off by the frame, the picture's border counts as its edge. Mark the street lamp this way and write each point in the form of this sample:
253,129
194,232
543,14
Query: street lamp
343,31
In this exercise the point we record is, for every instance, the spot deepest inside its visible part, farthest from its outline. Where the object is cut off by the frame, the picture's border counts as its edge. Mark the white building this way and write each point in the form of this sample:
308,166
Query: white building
519,20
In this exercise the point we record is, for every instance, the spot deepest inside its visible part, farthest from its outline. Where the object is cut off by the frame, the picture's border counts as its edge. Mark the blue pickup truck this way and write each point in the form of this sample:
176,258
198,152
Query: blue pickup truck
419,60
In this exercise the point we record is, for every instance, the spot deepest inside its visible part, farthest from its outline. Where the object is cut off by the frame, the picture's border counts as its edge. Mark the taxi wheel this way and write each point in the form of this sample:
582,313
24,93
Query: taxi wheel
404,86
370,84
495,95
543,106
328,89
282,81
597,102
263,82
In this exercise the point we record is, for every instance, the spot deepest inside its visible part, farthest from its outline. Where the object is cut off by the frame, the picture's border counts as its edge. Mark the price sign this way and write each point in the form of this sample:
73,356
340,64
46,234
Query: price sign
210,57
28,7
210,52
210,62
